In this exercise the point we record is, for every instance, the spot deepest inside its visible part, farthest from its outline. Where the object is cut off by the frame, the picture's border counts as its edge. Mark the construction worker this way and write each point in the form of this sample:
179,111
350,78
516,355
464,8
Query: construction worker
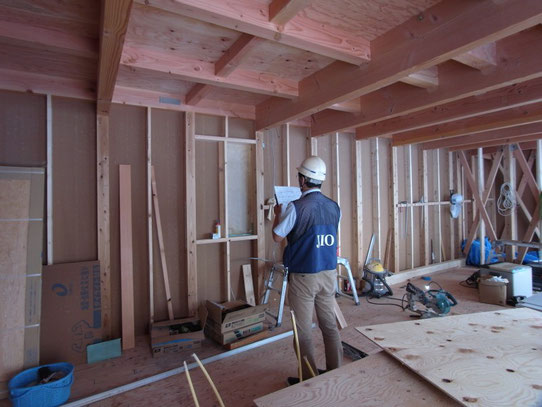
310,224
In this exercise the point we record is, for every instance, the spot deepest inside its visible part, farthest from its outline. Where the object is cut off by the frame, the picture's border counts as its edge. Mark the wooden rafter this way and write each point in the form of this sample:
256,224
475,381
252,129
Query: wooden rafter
498,142
488,187
115,15
480,205
231,58
457,83
282,11
496,100
493,121
249,18
403,44
196,94
204,72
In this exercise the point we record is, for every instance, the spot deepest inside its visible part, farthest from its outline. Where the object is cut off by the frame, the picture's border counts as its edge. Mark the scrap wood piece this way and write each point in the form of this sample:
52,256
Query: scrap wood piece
247,340
161,244
488,358
339,315
249,285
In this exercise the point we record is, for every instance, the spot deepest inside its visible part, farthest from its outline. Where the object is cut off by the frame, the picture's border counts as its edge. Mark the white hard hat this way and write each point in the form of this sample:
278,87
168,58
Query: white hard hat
313,167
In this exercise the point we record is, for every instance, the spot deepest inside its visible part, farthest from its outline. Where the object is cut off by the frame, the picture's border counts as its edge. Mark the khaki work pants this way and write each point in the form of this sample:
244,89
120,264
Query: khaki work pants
305,293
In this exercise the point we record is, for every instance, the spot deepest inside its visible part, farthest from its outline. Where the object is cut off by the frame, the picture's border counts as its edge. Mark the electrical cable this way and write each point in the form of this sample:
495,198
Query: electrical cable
383,303
507,200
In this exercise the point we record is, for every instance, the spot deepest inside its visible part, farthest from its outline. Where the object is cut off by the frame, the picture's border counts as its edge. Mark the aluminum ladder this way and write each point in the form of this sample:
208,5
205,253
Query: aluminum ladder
276,269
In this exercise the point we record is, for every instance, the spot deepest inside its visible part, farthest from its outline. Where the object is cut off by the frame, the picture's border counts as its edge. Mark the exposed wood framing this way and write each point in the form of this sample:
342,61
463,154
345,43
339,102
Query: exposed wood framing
336,180
115,15
260,243
192,258
441,255
426,78
482,226
482,58
285,128
523,140
231,58
149,214
103,218
358,207
375,163
451,188
224,207
501,20
426,250
539,181
282,11
394,212
49,174
161,245
126,257
331,42
410,210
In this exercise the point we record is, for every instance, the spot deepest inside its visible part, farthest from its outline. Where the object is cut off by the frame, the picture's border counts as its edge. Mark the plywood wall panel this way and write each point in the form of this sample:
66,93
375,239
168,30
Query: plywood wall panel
240,253
127,146
22,129
168,160
241,128
385,192
241,189
325,152
211,272
209,125
207,188
74,180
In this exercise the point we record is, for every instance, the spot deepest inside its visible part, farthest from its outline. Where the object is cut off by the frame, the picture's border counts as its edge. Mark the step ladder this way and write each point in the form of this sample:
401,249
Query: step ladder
277,270
342,261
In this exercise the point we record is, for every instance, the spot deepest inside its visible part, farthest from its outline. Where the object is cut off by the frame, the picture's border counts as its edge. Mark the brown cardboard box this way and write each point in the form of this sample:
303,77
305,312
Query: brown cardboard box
233,315
492,292
71,316
224,338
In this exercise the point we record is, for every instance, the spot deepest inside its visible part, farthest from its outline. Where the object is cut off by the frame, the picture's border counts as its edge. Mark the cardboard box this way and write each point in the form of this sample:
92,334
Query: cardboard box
178,335
233,315
492,292
71,316
224,338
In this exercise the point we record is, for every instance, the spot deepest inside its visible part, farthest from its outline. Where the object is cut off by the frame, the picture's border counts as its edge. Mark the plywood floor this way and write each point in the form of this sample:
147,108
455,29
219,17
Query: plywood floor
252,374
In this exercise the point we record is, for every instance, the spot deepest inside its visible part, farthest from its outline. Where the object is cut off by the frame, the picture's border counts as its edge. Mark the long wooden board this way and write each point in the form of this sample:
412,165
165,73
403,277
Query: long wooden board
483,359
377,380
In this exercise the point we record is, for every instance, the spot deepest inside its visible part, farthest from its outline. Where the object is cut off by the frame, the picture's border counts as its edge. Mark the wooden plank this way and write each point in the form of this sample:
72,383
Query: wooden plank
339,315
231,59
161,245
285,129
197,93
439,211
482,228
248,340
410,236
126,257
193,70
249,285
475,358
150,227
406,275
401,44
394,213
250,18
451,188
282,11
103,218
523,141
260,228
358,212
527,174
375,163
49,180
115,16
366,381
425,210
191,266
336,180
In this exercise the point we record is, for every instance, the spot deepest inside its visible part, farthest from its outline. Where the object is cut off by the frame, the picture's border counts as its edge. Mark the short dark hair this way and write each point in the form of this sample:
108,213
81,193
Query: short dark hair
311,183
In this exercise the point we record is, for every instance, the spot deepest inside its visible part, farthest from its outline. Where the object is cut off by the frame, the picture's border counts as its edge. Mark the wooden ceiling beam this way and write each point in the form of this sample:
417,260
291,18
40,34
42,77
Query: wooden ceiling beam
233,56
486,137
418,44
204,72
426,78
114,22
529,145
196,94
493,121
48,38
352,106
389,105
516,95
498,142
282,11
248,17
482,58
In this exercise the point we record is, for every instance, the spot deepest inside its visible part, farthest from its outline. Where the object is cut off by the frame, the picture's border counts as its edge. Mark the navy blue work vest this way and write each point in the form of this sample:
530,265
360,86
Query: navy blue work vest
312,243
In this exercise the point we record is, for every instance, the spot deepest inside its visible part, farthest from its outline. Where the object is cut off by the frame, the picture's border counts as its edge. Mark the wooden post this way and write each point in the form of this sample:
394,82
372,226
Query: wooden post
126,257
286,154
410,209
103,218
451,188
439,246
358,212
190,161
458,180
510,222
425,211
336,180
375,161
149,216
260,243
49,175
539,181
394,209
227,253
482,229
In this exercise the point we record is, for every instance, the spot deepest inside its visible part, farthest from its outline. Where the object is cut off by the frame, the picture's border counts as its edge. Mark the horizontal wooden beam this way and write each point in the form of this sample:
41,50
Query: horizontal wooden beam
352,106
396,108
486,137
233,55
415,45
197,93
249,17
529,145
499,142
115,15
426,78
30,82
493,121
204,72
282,11
142,97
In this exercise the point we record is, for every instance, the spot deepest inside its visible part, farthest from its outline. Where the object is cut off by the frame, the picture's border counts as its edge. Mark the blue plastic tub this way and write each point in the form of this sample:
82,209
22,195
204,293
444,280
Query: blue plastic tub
43,395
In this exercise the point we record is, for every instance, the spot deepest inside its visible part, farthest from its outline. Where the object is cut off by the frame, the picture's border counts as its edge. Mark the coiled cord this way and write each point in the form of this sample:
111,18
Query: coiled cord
507,200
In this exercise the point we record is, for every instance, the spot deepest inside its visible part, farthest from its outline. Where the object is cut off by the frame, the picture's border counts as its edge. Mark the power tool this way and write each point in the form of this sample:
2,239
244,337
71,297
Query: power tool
437,303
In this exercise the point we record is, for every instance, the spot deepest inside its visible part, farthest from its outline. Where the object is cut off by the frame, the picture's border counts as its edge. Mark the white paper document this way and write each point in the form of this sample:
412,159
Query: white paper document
284,195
